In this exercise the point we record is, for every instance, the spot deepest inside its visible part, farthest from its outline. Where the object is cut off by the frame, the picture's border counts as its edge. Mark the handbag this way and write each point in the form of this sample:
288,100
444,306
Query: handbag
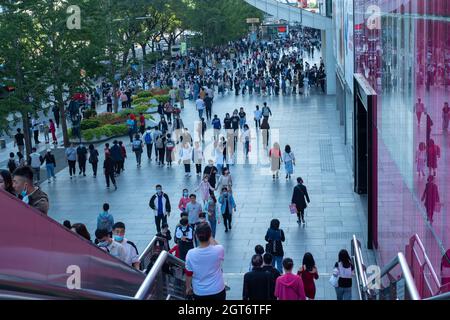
293,208
334,279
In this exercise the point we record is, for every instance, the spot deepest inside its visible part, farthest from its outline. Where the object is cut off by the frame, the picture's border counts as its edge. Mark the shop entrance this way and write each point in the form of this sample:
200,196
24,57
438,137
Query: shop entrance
365,152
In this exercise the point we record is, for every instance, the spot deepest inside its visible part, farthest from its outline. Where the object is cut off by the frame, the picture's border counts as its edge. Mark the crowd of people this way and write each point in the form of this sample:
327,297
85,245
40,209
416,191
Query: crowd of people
242,67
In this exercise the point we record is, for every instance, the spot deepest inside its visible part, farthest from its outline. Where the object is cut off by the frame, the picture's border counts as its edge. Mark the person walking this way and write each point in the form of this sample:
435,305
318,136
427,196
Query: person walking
433,154
430,198
35,128
242,118
257,282
205,189
208,106
198,158
266,112
160,204
137,149
343,271
445,116
421,159
298,198
184,200
217,126
93,159
211,172
71,156
178,127
225,180
170,150
419,108
186,157
148,139
19,140
160,147
123,152
200,106
193,209
257,117
53,132
275,238
212,210
56,115
289,286
228,205
35,164
184,238
289,161
108,169
308,272
82,158
245,139
50,165
265,132
204,275
275,160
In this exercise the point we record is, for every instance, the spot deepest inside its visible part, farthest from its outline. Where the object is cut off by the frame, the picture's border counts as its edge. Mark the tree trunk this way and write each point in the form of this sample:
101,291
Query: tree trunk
125,57
26,133
115,98
62,111
133,51
144,50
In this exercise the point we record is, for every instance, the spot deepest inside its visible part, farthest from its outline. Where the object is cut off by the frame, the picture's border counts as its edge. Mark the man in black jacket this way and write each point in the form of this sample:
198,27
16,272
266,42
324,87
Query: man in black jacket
257,283
298,198
160,204
267,266
108,166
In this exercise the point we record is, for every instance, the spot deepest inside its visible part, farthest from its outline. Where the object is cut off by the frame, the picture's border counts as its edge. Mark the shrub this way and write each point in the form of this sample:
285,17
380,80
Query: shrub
159,91
107,131
144,94
90,114
143,100
162,98
90,124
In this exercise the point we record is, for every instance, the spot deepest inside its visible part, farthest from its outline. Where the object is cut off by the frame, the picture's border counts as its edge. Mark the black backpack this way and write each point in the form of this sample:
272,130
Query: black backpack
275,247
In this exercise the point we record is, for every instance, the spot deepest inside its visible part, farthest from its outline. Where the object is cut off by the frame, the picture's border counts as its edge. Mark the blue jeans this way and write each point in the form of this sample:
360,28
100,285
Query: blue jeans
200,113
242,123
50,170
213,224
278,260
343,293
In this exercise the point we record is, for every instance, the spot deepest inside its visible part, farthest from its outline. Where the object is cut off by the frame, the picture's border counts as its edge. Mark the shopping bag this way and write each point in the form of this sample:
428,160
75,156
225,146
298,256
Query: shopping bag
293,208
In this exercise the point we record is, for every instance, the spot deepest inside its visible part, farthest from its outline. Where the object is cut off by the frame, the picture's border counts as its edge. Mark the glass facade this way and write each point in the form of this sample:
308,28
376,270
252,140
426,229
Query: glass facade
402,47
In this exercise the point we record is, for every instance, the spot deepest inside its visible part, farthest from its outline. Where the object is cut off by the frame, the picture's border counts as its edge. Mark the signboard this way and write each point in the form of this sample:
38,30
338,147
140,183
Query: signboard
252,20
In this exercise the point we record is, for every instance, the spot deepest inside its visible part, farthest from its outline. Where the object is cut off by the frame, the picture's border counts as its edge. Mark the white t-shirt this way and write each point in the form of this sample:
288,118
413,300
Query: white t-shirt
35,160
206,266
131,253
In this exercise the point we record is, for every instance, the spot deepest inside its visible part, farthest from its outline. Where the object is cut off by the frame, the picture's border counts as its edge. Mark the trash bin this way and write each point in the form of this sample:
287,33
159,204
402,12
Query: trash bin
2,143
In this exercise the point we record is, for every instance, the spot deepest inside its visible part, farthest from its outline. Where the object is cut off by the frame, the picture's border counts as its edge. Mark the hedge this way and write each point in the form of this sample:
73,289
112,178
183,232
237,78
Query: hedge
90,124
144,94
105,131
162,98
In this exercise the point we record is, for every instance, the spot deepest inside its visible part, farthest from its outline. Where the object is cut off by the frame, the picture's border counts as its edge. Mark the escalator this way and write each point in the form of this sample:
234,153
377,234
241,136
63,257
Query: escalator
41,259
409,277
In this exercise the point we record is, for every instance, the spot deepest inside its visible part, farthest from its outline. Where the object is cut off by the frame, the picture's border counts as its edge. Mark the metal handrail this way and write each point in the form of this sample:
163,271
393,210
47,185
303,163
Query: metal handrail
30,287
361,277
149,249
416,239
163,257
443,296
406,274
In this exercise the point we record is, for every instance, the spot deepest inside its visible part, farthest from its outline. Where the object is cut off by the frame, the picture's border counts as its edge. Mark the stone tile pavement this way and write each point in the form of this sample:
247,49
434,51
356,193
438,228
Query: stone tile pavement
309,124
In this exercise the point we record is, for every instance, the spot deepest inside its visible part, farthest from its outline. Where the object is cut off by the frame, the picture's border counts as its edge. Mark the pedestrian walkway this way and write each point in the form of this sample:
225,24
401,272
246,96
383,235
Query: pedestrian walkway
309,125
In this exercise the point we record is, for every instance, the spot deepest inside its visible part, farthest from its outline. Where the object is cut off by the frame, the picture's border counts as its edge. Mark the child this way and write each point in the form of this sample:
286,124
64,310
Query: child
184,200
204,188
105,220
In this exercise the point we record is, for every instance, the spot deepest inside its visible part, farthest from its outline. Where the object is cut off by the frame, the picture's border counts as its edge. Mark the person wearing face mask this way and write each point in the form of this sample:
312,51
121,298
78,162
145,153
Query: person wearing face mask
31,195
227,206
184,200
107,244
132,254
160,204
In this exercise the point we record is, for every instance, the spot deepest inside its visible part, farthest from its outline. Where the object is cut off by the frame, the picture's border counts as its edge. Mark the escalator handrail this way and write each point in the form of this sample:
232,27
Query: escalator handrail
40,288
415,239
361,276
443,296
163,257
150,247
406,274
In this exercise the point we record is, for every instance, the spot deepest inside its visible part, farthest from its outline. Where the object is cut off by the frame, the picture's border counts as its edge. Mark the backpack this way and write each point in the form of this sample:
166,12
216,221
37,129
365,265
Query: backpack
265,112
104,223
137,145
159,143
148,138
275,247
170,145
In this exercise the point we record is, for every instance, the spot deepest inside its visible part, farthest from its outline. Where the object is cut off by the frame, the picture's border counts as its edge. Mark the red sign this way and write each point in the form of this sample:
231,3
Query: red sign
282,29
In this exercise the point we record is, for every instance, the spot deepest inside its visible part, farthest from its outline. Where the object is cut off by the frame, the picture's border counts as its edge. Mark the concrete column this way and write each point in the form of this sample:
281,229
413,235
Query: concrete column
329,60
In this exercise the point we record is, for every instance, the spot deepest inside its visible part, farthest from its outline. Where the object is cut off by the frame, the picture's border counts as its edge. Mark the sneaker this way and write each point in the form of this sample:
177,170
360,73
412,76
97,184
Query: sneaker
230,226
70,177
115,187
226,230
49,181
107,187
84,174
